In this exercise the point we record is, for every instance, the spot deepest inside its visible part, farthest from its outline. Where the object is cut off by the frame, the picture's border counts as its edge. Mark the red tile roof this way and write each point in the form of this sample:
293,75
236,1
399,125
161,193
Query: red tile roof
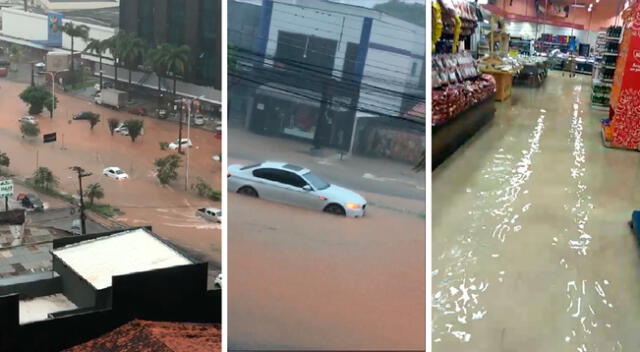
148,336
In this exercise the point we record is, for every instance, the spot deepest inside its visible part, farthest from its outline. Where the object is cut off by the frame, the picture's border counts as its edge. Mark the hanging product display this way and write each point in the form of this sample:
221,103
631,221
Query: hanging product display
623,130
436,20
457,85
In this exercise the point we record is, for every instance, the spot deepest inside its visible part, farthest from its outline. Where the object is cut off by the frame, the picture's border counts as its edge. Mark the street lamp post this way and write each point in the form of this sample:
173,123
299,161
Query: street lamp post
81,174
53,92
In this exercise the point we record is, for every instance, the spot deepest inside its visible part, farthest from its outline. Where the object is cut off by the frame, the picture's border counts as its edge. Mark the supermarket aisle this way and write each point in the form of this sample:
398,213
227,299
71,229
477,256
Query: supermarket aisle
531,247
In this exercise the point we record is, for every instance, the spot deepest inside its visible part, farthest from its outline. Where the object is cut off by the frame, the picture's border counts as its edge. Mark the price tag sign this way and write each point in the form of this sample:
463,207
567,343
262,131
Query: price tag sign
6,188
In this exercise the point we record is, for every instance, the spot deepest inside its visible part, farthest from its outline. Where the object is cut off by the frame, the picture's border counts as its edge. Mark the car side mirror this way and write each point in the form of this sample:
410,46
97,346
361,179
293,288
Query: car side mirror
307,188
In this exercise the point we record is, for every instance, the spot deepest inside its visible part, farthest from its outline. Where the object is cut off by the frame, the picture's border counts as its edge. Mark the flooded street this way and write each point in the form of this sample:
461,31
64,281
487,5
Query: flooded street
317,280
170,210
531,247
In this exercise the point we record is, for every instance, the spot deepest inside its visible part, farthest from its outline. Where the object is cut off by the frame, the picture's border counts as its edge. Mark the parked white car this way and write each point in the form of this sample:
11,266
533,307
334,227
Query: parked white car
124,131
294,185
211,214
115,173
185,143
198,120
218,281
28,119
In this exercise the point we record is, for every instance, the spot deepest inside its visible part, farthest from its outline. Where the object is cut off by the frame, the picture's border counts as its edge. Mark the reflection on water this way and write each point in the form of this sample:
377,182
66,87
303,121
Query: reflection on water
582,306
456,294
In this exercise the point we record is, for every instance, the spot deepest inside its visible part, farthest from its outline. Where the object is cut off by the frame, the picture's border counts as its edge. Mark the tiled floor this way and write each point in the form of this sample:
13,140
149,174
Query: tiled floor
531,247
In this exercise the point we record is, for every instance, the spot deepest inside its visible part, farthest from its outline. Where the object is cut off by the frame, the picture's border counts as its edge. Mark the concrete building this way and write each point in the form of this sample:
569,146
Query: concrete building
102,281
77,4
192,22
372,63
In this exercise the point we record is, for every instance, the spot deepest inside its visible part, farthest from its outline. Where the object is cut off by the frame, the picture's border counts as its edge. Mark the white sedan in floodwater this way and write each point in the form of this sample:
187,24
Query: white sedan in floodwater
294,185
115,173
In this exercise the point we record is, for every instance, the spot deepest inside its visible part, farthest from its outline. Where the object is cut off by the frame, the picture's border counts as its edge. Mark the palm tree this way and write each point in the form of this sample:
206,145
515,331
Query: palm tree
176,60
72,30
115,45
94,191
132,50
155,60
98,47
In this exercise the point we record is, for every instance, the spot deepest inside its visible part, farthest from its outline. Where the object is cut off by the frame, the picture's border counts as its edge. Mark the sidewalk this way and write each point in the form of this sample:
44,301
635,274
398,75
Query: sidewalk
374,175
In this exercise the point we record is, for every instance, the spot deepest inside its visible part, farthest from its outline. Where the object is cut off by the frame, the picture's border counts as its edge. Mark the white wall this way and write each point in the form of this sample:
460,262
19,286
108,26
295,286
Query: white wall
78,5
385,69
330,25
30,26
24,25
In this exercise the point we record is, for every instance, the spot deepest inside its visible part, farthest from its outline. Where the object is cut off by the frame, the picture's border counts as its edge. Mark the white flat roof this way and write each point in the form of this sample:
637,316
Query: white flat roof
37,309
98,260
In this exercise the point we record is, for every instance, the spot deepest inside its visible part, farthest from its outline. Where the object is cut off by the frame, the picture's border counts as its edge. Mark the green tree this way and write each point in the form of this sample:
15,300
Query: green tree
113,124
135,128
94,191
155,60
36,97
98,47
93,119
414,13
133,50
44,178
29,129
167,168
115,45
4,159
15,53
74,31
176,60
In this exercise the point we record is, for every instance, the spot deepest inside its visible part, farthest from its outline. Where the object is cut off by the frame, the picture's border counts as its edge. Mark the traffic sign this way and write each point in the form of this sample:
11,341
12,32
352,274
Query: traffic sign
48,138
6,188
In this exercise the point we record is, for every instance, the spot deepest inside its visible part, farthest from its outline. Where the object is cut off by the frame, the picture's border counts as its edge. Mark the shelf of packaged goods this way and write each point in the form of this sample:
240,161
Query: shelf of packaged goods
600,107
610,39
607,80
609,54
609,67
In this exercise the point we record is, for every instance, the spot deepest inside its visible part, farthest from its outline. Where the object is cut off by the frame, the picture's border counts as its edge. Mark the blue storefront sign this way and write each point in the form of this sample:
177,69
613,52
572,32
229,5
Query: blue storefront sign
54,37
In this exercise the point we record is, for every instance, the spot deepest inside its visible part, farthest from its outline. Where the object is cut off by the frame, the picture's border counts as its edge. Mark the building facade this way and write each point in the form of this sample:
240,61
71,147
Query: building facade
195,23
370,63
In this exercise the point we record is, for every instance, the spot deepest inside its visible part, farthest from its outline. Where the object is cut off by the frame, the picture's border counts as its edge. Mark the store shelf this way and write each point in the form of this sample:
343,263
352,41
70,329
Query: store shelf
451,135
610,39
607,80
600,107
609,67
600,94
609,54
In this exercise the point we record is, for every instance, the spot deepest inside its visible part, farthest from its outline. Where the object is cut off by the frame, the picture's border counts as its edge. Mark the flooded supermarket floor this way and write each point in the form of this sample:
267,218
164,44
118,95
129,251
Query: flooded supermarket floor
531,247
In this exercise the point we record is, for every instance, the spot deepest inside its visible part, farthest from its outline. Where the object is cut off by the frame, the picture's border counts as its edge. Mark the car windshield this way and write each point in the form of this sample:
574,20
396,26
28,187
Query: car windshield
316,181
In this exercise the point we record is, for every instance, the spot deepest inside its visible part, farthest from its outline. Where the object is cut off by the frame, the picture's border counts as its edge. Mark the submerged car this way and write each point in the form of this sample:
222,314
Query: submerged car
115,173
294,185
211,214
30,201
185,143
85,115
28,119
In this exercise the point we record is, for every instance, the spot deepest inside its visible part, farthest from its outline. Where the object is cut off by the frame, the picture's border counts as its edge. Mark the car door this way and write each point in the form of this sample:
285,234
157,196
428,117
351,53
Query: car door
290,188
265,181
299,195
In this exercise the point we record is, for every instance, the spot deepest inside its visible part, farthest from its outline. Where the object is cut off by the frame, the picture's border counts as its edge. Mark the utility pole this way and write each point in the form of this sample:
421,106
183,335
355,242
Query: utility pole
33,82
180,128
81,174
323,117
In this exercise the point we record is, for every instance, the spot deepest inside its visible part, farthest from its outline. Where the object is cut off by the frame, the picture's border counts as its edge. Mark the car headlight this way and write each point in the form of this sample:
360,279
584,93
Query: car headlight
353,206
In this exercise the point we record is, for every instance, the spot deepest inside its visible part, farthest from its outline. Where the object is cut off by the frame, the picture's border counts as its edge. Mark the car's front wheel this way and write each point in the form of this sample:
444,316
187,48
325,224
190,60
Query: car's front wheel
248,191
335,209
